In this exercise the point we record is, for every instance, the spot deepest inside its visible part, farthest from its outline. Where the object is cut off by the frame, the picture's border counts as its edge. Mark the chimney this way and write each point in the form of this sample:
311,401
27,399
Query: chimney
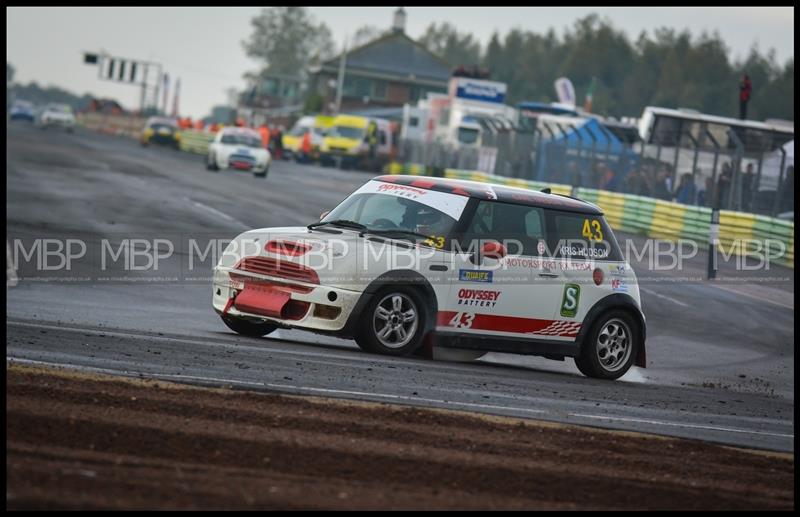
399,23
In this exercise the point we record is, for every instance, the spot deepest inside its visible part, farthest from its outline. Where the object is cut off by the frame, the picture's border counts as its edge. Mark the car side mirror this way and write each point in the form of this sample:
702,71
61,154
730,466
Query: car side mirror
493,249
324,214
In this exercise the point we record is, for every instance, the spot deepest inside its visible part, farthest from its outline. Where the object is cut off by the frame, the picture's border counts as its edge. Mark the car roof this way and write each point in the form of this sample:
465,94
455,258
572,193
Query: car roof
491,191
162,120
240,131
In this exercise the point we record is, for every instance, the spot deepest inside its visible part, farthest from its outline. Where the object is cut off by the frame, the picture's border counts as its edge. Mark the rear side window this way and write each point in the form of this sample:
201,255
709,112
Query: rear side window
519,227
582,236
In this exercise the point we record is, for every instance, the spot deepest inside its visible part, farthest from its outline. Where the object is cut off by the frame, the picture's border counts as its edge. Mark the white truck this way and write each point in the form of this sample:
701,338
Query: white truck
460,117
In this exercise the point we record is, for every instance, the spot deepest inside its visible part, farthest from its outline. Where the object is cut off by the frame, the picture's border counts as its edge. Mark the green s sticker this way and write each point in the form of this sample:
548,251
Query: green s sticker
569,303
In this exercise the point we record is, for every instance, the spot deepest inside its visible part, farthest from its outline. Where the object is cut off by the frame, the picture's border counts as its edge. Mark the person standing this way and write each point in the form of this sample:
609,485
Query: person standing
662,188
686,191
263,130
747,187
305,147
279,143
723,185
745,91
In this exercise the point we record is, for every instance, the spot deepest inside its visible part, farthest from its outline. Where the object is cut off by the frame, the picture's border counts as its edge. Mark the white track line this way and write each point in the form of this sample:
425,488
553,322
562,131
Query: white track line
396,397
673,300
677,424
215,211
733,291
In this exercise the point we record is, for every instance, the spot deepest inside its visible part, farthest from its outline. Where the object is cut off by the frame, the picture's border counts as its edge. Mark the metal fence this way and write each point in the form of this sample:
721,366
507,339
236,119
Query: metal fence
727,177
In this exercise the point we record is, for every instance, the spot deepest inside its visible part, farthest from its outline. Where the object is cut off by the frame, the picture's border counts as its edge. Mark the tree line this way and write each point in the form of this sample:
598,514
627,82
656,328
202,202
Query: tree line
667,68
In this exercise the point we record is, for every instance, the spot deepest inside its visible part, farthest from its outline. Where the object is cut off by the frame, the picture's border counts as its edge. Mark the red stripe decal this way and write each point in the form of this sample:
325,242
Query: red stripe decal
510,324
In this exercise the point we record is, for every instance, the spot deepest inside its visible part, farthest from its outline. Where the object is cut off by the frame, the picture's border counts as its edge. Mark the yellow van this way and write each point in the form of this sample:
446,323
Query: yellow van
348,142
318,125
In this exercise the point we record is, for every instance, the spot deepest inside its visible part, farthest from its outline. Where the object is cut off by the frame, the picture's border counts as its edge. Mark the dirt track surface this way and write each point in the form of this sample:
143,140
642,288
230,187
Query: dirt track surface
87,442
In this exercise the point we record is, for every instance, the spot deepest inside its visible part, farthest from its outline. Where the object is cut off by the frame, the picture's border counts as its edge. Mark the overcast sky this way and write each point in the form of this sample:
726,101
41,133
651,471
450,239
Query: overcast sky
201,45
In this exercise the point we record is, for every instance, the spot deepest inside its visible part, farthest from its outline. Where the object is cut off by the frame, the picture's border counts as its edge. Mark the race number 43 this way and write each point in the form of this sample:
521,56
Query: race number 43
462,320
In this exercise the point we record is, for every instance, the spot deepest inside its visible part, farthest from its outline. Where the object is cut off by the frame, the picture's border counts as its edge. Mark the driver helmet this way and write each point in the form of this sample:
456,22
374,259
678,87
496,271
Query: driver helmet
428,221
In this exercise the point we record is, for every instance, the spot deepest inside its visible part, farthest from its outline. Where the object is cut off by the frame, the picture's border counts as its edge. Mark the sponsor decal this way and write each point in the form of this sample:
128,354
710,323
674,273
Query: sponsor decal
478,297
618,284
402,190
580,251
508,324
471,275
486,91
617,270
569,302
451,204
538,263
540,248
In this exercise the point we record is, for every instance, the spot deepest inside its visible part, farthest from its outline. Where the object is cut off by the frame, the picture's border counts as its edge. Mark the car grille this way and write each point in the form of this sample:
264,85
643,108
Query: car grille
242,158
278,268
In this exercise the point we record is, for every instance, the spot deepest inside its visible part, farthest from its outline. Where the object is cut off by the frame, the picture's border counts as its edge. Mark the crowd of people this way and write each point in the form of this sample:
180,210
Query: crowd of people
271,137
656,180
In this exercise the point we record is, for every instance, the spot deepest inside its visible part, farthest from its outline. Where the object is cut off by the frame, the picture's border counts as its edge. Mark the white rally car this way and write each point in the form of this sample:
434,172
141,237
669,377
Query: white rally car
56,115
408,262
238,148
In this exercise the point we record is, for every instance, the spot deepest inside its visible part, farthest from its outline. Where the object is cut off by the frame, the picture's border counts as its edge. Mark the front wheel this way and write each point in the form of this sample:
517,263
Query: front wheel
261,174
394,322
248,328
610,347
211,163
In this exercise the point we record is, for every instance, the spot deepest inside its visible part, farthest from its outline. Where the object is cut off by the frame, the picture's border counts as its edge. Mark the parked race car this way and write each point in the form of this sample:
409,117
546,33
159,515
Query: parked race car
407,262
238,148
56,115
22,110
161,131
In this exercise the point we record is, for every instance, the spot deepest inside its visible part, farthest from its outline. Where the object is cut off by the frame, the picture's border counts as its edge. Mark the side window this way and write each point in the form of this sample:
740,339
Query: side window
519,227
583,236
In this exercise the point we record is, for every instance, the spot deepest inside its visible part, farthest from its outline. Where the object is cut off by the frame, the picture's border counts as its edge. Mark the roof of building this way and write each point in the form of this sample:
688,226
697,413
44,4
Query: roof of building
395,54
502,193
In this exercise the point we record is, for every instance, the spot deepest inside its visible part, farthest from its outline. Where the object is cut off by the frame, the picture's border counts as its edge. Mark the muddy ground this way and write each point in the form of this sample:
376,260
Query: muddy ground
76,441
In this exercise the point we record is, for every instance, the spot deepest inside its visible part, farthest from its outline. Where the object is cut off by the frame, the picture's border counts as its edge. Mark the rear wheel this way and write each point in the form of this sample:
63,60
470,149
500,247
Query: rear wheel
261,174
248,328
394,322
610,347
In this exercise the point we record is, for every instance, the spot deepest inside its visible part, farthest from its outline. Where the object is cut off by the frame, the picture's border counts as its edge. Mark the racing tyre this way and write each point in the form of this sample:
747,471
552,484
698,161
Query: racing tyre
394,322
248,328
211,163
261,174
610,346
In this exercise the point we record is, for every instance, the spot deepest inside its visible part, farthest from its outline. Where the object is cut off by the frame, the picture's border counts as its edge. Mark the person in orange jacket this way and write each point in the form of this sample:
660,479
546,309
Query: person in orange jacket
305,147
264,132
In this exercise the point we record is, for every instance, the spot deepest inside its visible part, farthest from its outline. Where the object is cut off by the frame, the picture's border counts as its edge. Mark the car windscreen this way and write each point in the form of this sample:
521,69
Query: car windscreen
159,126
468,135
60,108
241,139
386,206
298,130
347,132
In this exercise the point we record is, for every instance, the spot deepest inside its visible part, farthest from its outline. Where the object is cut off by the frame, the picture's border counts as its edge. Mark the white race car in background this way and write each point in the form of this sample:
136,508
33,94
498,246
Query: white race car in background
56,115
238,148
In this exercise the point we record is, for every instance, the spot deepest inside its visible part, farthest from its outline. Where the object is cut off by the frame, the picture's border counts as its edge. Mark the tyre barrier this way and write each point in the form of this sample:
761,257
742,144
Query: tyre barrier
195,141
740,233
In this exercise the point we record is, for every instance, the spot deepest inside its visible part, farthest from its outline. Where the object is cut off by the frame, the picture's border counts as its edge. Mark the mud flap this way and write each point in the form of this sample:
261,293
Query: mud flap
262,300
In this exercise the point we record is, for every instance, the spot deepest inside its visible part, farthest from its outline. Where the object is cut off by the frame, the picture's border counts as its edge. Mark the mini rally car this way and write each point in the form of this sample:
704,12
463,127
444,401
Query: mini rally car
405,263
238,148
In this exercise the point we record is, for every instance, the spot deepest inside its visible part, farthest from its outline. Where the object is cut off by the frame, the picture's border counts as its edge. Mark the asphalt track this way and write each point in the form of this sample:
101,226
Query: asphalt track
720,354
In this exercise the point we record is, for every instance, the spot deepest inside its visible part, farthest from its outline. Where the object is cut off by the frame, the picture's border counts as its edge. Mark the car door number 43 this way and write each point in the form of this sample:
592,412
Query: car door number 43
462,320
